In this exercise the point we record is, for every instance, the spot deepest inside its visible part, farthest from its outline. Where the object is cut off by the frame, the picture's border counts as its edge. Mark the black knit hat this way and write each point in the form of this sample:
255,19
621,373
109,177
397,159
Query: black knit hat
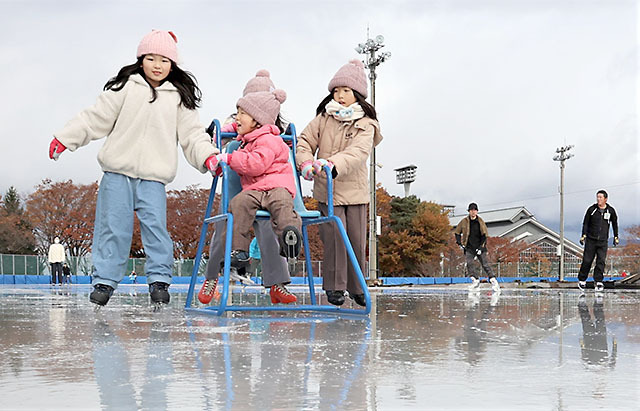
472,206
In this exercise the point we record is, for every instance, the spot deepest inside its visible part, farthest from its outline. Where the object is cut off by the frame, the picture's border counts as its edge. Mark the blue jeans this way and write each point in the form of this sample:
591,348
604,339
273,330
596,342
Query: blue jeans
118,197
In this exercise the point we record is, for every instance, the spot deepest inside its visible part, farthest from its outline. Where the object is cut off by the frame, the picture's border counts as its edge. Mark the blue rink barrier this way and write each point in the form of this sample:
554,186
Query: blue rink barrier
85,279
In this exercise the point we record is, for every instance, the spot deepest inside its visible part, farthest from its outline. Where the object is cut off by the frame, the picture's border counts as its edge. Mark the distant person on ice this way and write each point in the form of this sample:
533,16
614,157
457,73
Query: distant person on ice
595,238
145,111
471,234
56,258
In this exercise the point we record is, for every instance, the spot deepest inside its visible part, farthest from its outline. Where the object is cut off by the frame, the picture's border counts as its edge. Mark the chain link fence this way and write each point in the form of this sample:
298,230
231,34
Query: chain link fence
35,264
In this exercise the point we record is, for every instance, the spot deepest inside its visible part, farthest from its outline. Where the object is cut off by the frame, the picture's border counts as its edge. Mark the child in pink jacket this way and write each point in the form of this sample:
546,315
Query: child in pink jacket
262,162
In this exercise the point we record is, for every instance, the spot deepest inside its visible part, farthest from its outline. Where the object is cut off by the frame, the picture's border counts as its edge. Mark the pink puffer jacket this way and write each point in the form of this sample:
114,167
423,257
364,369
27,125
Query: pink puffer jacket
262,161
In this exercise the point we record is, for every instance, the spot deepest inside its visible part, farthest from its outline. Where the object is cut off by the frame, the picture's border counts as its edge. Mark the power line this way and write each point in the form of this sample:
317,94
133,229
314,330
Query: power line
554,195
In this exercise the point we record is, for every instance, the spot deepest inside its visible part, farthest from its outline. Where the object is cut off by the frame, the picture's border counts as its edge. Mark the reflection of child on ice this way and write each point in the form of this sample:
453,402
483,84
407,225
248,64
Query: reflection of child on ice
133,277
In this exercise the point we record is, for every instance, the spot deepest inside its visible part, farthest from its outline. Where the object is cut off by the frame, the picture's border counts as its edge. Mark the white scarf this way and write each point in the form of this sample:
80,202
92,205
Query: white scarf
342,113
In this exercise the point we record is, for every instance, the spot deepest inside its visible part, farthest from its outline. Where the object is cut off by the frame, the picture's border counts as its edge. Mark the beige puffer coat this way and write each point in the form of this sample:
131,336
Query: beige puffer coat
347,144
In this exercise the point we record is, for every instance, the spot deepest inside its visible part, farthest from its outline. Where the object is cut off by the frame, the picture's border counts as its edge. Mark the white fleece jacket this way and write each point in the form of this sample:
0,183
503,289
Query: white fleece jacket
56,253
141,136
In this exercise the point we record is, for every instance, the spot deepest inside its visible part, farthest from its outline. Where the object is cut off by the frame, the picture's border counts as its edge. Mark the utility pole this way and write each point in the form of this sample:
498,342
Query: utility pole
369,49
562,155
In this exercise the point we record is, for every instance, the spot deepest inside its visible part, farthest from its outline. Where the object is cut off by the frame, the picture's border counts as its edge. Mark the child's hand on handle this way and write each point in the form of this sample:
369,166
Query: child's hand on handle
55,148
306,170
319,163
213,163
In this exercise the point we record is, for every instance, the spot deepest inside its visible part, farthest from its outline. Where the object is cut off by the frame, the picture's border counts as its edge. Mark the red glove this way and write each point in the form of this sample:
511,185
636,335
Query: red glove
213,163
55,148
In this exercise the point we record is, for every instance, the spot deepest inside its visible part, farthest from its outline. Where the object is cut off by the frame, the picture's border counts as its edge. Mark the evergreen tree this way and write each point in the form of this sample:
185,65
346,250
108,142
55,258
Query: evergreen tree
11,202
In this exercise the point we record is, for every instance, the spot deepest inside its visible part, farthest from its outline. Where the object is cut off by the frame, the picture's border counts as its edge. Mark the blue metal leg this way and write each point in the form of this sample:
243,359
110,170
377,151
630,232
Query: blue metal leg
203,236
307,256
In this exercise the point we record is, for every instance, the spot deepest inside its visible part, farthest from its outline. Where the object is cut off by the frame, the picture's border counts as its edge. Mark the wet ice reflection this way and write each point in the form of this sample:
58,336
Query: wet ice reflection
427,348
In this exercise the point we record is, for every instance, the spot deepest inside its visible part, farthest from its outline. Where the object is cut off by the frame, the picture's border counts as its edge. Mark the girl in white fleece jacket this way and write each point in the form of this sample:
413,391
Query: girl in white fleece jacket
144,111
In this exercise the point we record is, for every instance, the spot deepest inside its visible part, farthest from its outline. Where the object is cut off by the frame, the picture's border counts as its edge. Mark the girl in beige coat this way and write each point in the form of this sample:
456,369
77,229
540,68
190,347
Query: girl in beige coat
341,136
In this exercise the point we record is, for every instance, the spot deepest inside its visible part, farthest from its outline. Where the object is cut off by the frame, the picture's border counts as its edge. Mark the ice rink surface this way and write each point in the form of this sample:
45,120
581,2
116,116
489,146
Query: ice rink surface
421,348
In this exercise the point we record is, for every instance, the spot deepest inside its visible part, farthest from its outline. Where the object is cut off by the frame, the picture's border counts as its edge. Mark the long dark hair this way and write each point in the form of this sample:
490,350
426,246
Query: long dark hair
369,110
185,82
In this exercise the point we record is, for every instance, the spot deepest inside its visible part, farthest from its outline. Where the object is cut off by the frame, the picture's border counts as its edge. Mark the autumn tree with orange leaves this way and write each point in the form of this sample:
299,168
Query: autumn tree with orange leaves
413,238
65,210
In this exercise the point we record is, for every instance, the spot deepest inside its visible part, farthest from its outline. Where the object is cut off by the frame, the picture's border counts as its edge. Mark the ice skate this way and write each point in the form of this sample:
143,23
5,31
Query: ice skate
359,299
244,279
101,294
290,246
599,287
280,294
159,292
475,284
208,291
582,285
494,285
335,297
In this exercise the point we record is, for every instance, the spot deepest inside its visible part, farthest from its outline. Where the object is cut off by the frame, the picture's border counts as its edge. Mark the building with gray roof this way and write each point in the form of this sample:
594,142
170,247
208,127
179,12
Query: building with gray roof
518,223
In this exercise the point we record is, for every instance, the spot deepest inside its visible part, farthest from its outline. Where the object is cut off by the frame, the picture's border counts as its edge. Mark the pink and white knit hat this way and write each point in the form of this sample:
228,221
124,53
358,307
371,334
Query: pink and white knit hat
261,82
351,75
159,42
263,106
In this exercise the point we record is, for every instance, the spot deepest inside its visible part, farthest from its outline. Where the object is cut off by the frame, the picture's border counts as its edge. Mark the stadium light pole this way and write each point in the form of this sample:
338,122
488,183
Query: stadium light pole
561,156
369,49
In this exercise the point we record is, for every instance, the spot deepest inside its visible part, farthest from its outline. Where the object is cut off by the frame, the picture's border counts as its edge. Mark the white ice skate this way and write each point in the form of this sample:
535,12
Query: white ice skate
494,285
242,279
475,284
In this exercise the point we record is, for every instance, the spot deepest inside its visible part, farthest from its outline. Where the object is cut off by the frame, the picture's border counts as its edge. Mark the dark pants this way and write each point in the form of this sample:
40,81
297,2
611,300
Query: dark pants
593,249
472,270
56,271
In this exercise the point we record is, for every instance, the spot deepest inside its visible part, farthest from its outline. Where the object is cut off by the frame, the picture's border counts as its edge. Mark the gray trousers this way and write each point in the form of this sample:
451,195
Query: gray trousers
472,268
274,267
337,272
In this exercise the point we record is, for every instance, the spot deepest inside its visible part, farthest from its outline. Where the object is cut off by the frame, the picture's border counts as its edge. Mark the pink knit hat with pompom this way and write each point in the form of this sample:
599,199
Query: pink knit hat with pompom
159,42
263,106
351,75
261,82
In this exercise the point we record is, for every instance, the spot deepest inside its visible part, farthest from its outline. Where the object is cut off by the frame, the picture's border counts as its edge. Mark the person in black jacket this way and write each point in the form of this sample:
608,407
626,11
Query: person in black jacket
595,238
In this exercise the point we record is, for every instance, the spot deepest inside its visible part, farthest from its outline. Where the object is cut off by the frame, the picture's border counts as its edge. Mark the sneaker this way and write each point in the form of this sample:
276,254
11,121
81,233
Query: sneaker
241,276
159,292
239,259
599,287
101,294
359,299
582,285
208,291
280,294
494,285
475,284
335,297
290,242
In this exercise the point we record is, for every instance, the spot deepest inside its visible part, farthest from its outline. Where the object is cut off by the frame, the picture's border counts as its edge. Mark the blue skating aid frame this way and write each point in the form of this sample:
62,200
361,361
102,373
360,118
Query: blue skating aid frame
230,187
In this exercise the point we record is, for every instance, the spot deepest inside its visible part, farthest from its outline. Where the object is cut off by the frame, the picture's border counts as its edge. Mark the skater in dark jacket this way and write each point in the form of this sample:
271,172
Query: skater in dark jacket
471,234
595,238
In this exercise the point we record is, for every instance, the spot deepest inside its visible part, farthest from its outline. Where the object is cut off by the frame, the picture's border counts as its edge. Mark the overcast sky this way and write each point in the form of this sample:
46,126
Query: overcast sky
478,94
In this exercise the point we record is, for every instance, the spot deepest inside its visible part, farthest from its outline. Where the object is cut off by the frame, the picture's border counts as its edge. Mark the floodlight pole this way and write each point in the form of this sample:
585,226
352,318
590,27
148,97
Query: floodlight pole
369,49
561,157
